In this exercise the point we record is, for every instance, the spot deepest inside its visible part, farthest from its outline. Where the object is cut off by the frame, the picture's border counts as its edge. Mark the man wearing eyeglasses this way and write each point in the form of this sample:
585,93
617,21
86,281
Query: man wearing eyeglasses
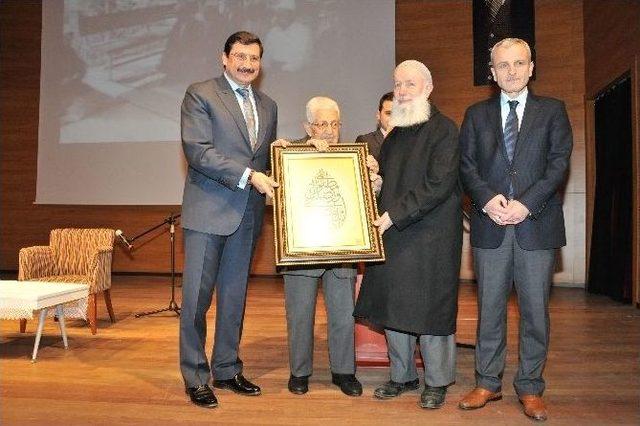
338,282
227,126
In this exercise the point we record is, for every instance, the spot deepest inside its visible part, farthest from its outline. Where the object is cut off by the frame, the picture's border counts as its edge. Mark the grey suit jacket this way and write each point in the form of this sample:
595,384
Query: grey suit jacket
217,149
374,141
538,170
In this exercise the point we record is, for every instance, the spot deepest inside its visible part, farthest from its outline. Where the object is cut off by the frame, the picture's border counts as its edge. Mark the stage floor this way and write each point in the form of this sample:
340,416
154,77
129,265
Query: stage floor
128,373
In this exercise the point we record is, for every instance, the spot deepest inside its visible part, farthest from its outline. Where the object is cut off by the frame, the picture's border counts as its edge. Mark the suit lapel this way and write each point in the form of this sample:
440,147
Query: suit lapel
379,137
531,111
262,120
231,103
495,122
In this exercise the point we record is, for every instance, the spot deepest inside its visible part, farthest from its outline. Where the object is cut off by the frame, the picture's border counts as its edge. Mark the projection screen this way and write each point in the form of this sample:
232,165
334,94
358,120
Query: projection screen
114,73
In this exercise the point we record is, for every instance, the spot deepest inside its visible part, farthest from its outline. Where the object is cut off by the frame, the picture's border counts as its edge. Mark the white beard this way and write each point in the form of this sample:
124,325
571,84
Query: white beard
413,112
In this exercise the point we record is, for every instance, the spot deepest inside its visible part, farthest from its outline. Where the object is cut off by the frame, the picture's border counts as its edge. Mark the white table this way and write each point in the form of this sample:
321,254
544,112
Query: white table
19,299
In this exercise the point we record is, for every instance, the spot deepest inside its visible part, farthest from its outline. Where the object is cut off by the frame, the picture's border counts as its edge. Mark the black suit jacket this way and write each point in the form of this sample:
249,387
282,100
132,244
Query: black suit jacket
538,170
374,142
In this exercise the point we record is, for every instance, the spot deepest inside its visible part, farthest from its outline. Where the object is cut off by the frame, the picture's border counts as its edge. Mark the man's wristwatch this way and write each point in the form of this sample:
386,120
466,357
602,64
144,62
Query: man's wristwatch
250,176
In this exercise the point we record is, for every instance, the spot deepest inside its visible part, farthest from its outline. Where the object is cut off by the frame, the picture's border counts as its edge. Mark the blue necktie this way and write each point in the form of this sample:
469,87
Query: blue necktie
511,136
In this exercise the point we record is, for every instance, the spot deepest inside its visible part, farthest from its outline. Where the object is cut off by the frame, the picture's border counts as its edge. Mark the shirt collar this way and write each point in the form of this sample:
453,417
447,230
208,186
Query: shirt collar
235,86
522,97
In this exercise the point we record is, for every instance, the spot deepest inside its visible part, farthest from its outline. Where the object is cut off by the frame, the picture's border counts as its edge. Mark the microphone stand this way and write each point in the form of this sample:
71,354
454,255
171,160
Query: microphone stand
173,306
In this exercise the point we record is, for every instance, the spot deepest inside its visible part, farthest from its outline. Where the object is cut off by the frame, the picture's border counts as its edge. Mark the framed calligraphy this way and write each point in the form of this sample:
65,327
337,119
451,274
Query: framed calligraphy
324,207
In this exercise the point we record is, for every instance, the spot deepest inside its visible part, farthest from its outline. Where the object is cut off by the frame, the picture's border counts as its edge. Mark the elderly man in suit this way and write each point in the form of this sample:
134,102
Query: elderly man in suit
515,154
227,127
383,115
338,282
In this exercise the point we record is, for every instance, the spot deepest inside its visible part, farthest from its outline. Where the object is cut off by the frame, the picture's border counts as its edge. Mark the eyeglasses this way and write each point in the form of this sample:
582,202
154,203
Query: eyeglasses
324,125
243,57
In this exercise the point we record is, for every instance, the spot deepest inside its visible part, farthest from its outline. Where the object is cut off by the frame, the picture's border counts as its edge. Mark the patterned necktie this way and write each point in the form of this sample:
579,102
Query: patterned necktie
511,130
249,118
494,7
511,136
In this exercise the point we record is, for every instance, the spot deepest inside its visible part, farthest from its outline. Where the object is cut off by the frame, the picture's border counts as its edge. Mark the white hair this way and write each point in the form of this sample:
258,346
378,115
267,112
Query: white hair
417,110
508,42
414,112
320,102
419,67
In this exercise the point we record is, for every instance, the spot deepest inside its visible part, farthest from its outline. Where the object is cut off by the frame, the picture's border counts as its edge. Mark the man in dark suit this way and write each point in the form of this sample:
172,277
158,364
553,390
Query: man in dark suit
227,127
374,139
515,151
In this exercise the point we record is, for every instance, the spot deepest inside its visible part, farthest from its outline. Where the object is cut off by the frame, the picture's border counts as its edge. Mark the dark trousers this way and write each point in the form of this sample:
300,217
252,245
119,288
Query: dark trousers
496,271
220,262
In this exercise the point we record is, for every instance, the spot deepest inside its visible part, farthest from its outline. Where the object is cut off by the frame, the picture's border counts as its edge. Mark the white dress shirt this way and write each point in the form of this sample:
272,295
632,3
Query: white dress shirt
235,86
504,106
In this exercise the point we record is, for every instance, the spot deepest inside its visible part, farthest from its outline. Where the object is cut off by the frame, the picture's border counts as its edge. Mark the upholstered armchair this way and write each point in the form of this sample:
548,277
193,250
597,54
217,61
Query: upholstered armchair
73,256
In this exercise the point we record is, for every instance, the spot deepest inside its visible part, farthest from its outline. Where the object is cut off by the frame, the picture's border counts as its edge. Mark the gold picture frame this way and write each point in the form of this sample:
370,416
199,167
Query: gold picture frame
324,207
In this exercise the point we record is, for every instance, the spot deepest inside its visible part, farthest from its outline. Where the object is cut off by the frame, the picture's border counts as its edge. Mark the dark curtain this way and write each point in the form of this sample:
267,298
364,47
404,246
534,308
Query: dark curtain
610,262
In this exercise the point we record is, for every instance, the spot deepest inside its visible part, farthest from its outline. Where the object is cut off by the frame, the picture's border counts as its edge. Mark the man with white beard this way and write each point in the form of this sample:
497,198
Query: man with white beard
414,294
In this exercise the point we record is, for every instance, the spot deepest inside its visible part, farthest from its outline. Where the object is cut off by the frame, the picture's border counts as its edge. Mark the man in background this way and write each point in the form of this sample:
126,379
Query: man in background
375,139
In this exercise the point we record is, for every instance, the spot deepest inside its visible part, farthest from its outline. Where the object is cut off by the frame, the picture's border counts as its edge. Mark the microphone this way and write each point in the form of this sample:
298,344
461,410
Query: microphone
123,239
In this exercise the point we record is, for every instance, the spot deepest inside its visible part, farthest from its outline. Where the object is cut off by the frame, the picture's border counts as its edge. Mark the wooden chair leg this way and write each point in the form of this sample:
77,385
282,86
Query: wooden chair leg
23,325
107,301
92,313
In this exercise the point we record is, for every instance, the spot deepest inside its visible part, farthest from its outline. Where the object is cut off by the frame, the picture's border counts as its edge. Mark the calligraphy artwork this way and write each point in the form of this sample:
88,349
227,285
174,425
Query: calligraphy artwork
322,198
324,208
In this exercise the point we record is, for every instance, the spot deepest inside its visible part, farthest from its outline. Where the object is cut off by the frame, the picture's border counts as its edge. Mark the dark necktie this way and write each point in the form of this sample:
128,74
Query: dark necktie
248,116
494,7
511,136
511,130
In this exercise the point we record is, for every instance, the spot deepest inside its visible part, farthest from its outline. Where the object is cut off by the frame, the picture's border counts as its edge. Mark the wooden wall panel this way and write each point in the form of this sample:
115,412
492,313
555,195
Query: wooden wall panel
611,49
436,32
611,41
439,33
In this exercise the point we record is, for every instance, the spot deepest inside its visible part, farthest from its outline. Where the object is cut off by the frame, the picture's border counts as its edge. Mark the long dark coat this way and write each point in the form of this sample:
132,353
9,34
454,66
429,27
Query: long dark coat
416,289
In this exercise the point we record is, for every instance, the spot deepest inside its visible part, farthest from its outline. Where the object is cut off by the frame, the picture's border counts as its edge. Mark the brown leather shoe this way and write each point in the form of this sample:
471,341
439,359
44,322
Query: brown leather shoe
478,398
534,407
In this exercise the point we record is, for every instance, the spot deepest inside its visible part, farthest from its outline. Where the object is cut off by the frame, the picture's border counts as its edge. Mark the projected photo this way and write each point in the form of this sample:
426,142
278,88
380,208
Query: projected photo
123,66
114,73
115,77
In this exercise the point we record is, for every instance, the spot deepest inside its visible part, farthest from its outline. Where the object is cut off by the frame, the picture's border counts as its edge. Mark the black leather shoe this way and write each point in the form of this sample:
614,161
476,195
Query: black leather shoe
433,397
298,385
202,396
392,389
348,384
239,385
